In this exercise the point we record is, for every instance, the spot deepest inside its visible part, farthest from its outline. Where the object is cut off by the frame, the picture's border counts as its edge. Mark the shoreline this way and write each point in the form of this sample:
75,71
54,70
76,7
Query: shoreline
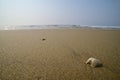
105,29
32,27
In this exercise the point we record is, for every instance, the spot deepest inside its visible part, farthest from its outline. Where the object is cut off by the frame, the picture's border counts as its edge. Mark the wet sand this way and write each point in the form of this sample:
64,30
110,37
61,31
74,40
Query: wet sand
59,54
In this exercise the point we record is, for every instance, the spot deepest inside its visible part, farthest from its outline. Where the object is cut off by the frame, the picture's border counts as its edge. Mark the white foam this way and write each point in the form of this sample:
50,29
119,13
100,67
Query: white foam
22,27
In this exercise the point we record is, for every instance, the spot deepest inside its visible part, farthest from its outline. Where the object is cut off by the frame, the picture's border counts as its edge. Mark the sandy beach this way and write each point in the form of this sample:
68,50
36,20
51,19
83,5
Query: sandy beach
59,54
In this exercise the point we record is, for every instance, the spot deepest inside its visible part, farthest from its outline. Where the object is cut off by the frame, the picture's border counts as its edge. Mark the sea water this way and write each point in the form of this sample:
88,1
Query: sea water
24,27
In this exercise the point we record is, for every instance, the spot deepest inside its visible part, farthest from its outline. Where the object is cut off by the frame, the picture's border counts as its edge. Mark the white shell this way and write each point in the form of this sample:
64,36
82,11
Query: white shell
93,62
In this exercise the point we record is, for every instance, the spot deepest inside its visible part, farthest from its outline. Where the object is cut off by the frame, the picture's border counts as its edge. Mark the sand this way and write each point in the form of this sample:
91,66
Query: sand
59,54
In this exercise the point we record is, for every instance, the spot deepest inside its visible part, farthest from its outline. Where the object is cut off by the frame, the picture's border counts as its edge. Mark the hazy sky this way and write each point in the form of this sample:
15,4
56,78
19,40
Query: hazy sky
43,12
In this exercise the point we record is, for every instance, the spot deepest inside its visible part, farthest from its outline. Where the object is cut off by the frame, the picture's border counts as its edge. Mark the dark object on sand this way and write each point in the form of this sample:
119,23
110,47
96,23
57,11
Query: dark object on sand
43,39
93,62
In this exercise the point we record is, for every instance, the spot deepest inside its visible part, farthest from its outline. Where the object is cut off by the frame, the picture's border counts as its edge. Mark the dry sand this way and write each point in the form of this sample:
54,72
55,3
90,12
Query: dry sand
59,54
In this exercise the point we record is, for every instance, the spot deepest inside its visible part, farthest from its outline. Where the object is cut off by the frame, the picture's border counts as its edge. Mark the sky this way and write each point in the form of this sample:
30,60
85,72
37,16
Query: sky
62,12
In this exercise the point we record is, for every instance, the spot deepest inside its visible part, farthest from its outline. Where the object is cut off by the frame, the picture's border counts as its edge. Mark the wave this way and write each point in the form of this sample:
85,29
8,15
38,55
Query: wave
24,27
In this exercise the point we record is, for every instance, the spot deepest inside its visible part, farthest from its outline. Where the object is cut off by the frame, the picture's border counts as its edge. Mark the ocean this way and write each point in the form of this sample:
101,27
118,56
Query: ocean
24,27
